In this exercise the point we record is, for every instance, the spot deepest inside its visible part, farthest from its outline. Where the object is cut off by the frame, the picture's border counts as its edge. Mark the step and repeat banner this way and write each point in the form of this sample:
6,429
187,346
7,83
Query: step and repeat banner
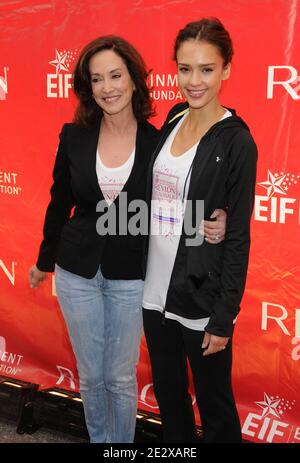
39,44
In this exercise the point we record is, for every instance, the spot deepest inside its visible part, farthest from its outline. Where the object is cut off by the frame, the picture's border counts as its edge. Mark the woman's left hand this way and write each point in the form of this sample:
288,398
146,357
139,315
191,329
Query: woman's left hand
214,231
213,344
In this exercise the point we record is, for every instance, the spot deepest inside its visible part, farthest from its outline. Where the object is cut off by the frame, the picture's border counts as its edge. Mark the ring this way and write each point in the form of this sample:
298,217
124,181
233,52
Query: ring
217,237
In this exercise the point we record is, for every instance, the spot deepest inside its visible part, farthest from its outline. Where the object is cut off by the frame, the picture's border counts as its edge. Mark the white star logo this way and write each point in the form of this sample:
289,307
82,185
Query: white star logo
273,184
269,406
60,62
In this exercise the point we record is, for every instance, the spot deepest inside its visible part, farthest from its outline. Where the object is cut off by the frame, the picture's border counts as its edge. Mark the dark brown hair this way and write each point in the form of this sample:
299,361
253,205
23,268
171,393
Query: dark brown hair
209,30
88,111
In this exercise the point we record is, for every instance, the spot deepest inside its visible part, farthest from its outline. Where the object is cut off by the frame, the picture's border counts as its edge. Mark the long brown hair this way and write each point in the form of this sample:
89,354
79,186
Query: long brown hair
88,112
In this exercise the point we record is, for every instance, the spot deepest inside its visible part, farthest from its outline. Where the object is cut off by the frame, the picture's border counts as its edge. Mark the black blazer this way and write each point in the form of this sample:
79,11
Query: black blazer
72,241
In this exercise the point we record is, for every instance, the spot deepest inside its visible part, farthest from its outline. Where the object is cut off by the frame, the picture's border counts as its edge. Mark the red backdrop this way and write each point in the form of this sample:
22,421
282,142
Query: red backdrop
39,43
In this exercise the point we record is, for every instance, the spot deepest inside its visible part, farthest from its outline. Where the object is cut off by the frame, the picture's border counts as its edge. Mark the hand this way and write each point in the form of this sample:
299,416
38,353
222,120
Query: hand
214,231
36,276
213,344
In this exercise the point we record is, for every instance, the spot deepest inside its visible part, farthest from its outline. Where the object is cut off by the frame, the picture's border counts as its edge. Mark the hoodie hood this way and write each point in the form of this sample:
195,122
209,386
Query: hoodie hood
231,122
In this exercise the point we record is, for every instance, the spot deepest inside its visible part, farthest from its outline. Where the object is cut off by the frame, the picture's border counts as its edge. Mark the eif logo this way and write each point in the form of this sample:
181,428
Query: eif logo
275,206
3,84
285,77
58,84
269,425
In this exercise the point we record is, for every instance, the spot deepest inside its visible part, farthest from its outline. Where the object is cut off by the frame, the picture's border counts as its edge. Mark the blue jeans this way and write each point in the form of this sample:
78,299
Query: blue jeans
104,320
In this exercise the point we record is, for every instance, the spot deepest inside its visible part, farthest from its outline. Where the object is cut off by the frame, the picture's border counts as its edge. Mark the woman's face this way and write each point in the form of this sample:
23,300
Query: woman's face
111,82
201,71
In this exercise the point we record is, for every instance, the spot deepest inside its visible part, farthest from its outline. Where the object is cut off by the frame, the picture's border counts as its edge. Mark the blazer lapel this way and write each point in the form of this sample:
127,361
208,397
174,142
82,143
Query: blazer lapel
144,142
138,159
89,141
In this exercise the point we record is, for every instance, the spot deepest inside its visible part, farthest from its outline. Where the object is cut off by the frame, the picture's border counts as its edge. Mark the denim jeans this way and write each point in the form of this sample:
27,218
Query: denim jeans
104,321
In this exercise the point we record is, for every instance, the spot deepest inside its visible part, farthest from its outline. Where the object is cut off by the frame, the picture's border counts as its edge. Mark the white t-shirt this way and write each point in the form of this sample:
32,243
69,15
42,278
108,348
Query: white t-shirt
112,179
170,173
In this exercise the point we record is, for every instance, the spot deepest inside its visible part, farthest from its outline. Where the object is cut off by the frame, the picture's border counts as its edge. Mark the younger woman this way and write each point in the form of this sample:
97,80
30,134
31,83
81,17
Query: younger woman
192,293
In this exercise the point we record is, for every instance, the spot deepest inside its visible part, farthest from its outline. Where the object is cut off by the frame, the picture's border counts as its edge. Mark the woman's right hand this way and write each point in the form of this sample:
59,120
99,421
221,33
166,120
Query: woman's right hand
36,276
214,231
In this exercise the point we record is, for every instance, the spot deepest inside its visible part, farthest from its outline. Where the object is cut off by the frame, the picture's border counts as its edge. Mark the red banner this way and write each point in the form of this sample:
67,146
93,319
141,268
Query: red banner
39,45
